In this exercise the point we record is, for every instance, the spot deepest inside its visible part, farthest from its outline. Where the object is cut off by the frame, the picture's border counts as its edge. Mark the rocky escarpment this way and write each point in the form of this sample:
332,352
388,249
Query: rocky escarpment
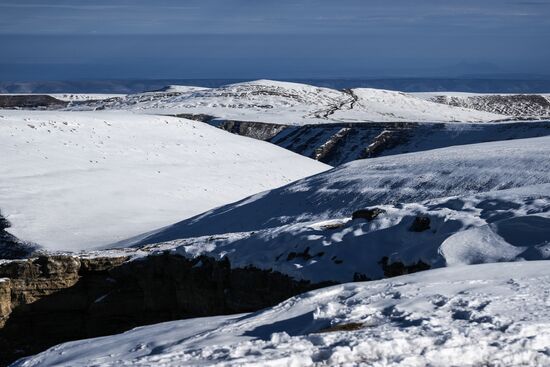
256,130
10,246
251,129
52,299
340,143
31,101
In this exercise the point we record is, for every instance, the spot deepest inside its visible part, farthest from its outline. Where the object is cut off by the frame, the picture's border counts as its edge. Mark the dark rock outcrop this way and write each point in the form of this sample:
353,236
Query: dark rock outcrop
196,117
10,246
31,101
368,214
338,143
420,224
251,129
397,268
53,299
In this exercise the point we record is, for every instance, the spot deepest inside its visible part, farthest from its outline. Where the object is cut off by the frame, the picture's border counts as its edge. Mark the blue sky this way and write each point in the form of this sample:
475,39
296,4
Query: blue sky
70,39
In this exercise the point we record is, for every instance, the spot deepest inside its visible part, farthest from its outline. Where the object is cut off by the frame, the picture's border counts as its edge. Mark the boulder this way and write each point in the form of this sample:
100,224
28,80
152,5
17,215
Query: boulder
368,214
420,224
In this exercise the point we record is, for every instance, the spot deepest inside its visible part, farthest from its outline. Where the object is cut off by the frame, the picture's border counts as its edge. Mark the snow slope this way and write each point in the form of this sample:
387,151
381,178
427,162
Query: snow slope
292,104
384,105
526,106
506,225
479,208
70,180
404,178
490,315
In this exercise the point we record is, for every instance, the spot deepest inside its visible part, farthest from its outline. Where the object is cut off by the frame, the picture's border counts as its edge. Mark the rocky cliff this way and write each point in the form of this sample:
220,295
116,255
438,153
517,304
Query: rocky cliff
10,246
52,299
338,143
31,101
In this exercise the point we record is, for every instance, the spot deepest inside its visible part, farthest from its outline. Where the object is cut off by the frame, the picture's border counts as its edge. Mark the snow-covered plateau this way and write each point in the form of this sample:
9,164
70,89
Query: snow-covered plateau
74,180
479,315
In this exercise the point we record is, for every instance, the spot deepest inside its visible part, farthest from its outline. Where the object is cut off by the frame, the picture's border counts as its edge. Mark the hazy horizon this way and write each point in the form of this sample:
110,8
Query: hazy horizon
120,39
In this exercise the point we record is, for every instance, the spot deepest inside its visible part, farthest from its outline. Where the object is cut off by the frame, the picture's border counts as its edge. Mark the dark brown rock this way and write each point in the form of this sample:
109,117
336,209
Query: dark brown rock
5,300
420,224
398,268
31,101
53,299
368,214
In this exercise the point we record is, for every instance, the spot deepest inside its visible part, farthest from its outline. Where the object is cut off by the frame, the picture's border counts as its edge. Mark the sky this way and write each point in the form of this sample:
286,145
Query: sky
139,39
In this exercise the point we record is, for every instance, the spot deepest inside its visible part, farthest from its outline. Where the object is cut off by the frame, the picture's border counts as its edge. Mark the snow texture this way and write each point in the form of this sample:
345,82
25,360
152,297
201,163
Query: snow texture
526,106
405,178
507,225
72,180
479,210
479,315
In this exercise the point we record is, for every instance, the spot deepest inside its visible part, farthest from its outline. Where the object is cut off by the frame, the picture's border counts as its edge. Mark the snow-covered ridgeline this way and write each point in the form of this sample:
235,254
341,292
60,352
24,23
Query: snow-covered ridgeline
292,104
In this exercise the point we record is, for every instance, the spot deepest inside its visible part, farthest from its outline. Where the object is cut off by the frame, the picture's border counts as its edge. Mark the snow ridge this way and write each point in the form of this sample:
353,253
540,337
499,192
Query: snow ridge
292,104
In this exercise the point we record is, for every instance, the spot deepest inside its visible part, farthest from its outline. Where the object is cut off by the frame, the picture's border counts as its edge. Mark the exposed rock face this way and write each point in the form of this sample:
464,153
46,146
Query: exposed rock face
10,246
368,214
31,101
420,224
338,143
5,300
256,130
397,268
52,299
196,116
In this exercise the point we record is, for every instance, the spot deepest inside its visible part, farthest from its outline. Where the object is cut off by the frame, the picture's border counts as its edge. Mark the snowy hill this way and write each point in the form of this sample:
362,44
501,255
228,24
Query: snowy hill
383,105
451,206
493,314
70,180
292,104
405,178
525,106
